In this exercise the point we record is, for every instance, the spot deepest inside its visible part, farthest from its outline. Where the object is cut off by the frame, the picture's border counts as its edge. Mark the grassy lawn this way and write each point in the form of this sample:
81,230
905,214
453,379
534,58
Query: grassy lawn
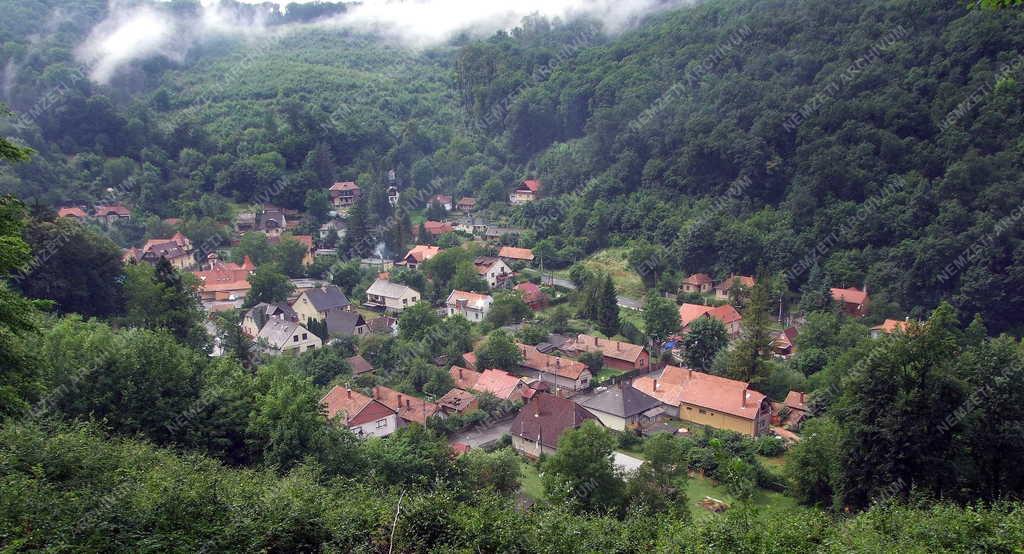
614,262
699,487
606,373
632,316
529,481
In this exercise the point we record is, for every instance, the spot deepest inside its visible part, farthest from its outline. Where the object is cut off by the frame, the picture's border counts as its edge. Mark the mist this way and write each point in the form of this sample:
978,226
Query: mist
133,32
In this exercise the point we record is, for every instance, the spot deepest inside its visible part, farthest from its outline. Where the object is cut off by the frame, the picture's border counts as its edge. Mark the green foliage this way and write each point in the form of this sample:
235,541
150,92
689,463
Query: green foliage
706,338
661,318
268,284
581,473
508,309
162,298
499,351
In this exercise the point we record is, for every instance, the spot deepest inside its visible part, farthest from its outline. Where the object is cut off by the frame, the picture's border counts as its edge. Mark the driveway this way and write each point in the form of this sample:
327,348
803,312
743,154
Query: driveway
623,301
626,462
482,434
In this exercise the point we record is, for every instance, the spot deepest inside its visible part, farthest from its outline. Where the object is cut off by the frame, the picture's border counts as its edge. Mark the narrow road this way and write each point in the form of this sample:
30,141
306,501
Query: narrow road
624,301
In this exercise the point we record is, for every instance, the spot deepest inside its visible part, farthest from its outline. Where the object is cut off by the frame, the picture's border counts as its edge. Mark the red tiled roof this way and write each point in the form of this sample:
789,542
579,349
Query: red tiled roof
688,313
851,295
725,313
609,348
745,280
73,211
531,292
890,326
464,378
698,279
546,417
438,227
359,365
796,400
538,361
347,185
516,253
422,253
532,185
467,201
473,300
501,384
456,400
116,209
681,385
470,359
408,407
356,408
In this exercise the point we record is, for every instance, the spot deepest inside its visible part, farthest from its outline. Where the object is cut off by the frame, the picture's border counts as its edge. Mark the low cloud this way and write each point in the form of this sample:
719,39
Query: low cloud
134,32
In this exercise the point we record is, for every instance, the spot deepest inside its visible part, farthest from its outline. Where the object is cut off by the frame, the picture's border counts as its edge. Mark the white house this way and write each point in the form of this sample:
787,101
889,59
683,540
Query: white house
288,337
469,305
495,271
392,297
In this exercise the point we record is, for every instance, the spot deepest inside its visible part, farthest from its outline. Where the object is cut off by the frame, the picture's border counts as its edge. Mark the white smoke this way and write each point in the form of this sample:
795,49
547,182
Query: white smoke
137,32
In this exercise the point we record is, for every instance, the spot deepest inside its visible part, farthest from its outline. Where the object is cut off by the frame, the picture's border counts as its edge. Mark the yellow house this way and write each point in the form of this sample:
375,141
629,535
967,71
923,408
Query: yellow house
709,400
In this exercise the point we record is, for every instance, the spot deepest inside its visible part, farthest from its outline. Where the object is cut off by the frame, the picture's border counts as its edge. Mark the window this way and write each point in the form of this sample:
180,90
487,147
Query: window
382,423
295,338
305,336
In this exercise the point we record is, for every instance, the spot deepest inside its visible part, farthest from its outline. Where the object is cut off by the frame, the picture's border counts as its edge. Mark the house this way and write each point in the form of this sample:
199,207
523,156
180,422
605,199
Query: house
563,373
437,228
697,283
73,212
443,200
889,327
533,296
688,313
319,302
390,297
469,305
359,413
853,300
709,400
393,196
469,359
333,227
511,253
245,221
344,194
623,407
785,343
224,281
537,428
722,289
497,235
359,365
495,271
382,325
466,204
177,250
287,337
559,344
257,316
793,411
458,401
419,254
272,221
502,384
345,323
616,354
410,408
526,192
113,213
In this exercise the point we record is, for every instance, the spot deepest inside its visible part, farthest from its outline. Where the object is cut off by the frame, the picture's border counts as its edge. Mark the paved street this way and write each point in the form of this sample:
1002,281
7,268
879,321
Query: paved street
483,434
624,301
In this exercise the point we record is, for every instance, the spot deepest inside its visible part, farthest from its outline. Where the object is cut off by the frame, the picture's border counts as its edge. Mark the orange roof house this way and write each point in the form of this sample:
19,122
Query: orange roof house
537,428
698,282
419,254
73,211
532,295
410,408
688,313
513,253
359,413
437,228
709,400
564,373
526,192
617,354
458,401
502,384
722,289
224,281
344,194
889,327
853,300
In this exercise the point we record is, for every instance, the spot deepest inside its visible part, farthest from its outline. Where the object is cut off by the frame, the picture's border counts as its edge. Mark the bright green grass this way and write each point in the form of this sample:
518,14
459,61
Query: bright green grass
529,481
614,262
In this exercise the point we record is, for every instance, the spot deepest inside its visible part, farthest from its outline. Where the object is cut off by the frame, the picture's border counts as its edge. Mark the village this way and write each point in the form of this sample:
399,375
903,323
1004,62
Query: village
556,381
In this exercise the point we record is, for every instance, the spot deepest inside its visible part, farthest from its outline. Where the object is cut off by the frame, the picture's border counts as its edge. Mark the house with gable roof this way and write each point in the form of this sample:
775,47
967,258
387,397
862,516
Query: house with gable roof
537,428
359,413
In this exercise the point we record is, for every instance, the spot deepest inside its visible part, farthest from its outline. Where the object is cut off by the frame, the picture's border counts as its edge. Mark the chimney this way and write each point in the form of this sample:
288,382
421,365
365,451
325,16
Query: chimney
349,391
376,394
618,345
655,389
460,373
407,404
801,398
399,400
558,362
595,341
743,398
689,373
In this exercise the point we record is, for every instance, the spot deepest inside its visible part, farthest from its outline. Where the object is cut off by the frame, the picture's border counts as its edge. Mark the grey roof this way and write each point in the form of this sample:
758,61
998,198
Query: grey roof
343,323
381,324
359,365
622,401
327,298
277,332
381,287
262,312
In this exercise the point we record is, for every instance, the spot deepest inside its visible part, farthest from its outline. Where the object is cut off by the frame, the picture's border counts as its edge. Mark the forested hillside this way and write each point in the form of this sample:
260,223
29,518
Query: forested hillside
818,106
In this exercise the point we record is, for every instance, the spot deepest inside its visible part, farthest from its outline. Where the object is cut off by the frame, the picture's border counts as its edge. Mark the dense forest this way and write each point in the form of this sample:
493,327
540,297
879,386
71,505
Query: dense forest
864,143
